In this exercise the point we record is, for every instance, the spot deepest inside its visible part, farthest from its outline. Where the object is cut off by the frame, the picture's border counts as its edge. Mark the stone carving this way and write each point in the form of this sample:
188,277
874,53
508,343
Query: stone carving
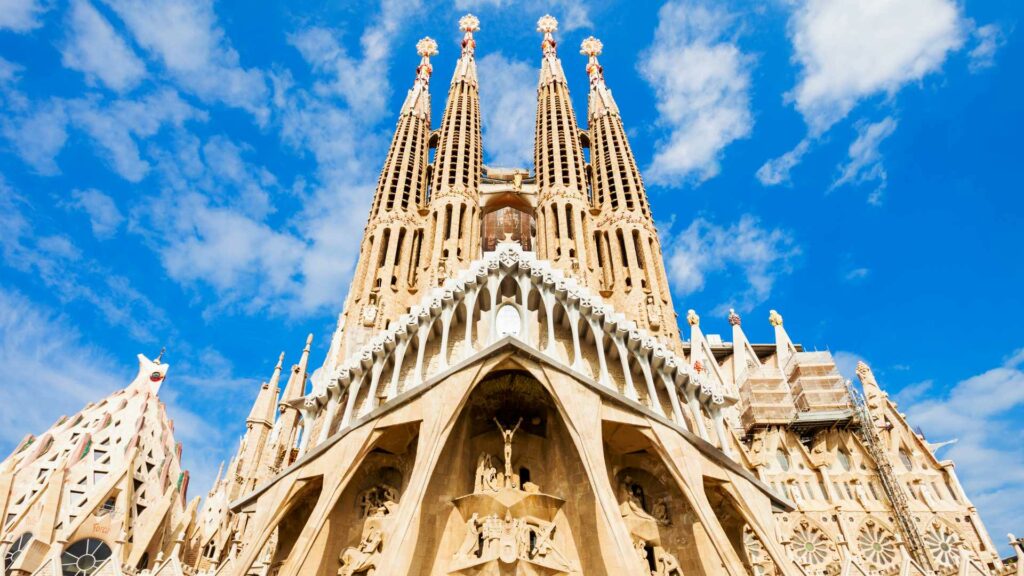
631,499
660,511
653,313
507,437
486,475
471,545
378,501
692,318
665,563
810,546
364,556
944,545
877,545
774,318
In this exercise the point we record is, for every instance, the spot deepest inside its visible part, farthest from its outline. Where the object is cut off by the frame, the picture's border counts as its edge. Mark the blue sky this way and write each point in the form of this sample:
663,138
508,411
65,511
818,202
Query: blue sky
196,176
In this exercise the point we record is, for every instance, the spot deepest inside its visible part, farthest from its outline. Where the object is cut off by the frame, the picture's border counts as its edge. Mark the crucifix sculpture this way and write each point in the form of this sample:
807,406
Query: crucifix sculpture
507,436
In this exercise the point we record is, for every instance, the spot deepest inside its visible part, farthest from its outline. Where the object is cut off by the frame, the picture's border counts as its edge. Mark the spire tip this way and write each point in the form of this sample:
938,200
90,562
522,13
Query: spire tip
591,46
426,47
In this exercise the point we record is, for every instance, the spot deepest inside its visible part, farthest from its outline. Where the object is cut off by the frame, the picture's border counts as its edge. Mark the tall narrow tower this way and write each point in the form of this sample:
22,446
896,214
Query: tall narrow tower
454,192
629,253
387,273
563,218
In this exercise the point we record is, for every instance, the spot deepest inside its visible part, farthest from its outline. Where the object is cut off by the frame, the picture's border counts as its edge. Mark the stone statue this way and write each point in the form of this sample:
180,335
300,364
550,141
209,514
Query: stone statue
666,564
507,436
653,313
471,545
486,475
364,556
629,502
660,511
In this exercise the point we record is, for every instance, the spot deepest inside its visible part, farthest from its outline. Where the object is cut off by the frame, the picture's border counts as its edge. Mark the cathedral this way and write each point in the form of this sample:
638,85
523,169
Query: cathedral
508,392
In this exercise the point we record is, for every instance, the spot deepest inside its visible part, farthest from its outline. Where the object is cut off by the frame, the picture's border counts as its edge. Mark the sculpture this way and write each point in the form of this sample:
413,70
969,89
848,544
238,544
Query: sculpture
471,545
666,563
660,511
486,475
507,436
364,556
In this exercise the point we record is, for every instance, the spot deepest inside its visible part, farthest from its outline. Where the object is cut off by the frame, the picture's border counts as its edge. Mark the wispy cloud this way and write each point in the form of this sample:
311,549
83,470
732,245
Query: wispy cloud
22,15
42,352
984,412
757,254
104,216
988,40
508,102
195,51
701,80
776,171
28,246
865,159
95,49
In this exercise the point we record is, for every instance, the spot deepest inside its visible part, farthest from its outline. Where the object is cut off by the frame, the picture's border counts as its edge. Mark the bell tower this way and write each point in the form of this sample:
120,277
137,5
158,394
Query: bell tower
628,250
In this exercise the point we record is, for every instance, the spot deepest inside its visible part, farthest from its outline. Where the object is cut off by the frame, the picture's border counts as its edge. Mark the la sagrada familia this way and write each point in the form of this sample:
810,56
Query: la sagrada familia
508,393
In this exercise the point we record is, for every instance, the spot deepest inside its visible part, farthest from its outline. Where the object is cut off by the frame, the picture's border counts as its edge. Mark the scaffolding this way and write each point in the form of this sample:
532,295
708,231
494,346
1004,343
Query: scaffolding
890,484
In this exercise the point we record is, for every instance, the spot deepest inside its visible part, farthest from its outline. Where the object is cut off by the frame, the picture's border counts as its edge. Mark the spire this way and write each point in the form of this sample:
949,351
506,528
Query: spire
296,386
458,164
465,68
617,182
551,66
266,400
417,102
563,219
601,101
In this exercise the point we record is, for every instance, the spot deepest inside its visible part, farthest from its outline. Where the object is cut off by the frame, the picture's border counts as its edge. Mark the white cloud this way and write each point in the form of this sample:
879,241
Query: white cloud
29,247
865,160
38,135
508,102
856,274
571,14
104,216
116,127
96,50
846,363
701,81
984,412
39,351
22,15
777,171
758,254
186,37
849,50
989,39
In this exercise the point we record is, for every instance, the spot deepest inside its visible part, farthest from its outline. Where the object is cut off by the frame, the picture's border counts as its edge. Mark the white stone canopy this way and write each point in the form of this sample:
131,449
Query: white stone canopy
592,339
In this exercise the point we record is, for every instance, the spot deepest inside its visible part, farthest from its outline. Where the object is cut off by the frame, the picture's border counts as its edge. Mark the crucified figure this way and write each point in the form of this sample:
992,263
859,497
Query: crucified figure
507,436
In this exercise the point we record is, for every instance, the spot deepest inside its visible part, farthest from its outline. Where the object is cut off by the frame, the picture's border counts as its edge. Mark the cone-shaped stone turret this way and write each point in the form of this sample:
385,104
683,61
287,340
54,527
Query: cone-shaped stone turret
563,217
454,224
629,252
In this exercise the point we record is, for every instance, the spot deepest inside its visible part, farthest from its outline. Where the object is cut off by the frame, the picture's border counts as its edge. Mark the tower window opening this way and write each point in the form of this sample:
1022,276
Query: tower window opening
570,226
448,222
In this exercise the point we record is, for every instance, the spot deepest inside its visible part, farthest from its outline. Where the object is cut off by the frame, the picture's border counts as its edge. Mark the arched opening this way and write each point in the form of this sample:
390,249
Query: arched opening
508,467
658,516
352,538
84,557
286,534
513,222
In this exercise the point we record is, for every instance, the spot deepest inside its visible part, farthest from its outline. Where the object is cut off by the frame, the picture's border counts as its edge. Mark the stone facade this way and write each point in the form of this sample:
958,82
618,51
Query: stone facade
508,392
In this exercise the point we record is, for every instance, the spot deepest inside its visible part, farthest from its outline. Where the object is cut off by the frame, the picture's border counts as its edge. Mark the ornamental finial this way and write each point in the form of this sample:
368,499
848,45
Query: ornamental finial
734,318
592,47
864,373
426,48
160,356
774,318
548,25
468,24
692,318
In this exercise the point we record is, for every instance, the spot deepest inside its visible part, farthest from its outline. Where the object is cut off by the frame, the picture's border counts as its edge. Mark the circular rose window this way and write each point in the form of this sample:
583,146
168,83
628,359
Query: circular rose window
84,558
